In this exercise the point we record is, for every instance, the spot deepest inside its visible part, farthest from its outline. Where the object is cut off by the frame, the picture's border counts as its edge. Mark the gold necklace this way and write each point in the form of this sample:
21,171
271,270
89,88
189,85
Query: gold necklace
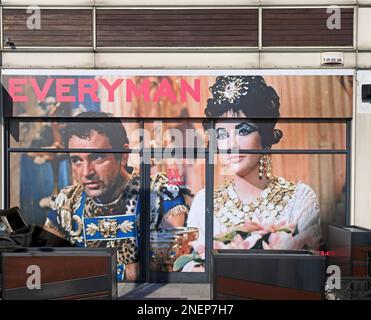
231,211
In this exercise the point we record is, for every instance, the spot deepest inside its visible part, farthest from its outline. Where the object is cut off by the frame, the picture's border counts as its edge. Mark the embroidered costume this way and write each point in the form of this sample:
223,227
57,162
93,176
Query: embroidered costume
86,223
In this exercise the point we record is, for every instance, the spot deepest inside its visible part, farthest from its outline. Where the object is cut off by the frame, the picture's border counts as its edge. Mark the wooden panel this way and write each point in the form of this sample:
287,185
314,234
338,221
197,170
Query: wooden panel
305,27
253,290
59,28
177,28
53,268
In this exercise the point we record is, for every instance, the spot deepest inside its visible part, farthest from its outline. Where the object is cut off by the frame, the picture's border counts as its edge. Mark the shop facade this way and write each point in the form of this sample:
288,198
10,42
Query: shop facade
155,70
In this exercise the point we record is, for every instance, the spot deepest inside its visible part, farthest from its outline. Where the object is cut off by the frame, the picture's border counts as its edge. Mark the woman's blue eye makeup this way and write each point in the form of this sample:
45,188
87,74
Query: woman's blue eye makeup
242,129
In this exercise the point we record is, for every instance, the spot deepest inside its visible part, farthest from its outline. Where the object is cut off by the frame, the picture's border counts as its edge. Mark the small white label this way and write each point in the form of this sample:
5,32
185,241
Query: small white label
332,58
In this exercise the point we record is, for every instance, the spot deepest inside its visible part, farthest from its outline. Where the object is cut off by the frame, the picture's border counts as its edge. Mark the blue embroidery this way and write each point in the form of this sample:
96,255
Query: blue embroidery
169,204
114,233
80,212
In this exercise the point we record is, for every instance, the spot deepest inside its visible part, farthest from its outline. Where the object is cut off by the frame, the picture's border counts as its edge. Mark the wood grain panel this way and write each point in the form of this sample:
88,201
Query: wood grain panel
59,28
305,27
254,290
53,268
177,28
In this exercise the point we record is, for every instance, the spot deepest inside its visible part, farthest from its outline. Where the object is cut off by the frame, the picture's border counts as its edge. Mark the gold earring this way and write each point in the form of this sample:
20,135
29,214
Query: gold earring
261,167
265,164
268,167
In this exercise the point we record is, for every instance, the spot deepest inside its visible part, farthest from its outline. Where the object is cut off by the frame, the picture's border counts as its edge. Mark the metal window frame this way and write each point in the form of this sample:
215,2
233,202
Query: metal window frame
94,26
1,29
175,277
147,153
209,170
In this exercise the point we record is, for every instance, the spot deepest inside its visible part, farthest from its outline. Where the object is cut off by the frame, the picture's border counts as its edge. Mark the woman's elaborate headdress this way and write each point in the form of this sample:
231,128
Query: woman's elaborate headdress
251,96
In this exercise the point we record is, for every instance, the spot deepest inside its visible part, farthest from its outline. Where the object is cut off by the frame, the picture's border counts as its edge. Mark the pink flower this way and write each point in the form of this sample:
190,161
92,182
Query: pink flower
199,248
239,243
281,240
278,227
218,245
249,226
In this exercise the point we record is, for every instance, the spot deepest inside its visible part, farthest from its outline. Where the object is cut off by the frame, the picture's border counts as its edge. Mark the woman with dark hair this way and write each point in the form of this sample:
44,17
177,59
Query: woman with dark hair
253,209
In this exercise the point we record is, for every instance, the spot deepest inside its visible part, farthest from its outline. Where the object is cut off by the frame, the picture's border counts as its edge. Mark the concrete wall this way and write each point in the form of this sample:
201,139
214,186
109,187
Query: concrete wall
182,2
362,153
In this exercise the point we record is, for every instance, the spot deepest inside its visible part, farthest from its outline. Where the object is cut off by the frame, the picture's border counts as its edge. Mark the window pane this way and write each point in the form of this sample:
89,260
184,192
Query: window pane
244,134
176,186
280,212
89,199
180,134
293,96
57,134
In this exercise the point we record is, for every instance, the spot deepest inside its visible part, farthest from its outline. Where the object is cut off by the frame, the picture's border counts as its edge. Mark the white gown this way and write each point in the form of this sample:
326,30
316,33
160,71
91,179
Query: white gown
302,210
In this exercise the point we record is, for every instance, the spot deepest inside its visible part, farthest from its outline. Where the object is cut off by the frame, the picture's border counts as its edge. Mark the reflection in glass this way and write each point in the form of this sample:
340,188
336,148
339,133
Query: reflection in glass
148,97
90,199
302,189
173,185
254,206
53,134
313,135
181,134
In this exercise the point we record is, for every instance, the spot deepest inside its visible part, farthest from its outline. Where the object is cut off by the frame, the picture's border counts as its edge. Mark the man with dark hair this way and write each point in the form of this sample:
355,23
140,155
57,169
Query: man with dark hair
102,208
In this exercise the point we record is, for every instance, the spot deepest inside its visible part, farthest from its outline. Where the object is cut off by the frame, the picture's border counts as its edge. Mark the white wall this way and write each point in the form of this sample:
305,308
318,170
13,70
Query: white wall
172,60
362,191
364,24
181,2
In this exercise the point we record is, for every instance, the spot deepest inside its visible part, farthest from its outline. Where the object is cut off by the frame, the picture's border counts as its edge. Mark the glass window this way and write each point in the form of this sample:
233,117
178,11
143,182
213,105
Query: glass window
90,199
56,134
179,134
279,201
236,134
177,215
80,176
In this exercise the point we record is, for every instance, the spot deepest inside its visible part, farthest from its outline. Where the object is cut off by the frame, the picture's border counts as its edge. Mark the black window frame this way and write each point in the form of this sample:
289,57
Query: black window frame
209,180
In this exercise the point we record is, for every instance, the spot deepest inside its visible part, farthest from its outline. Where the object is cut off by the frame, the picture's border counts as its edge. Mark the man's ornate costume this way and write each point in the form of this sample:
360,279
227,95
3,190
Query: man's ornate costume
86,223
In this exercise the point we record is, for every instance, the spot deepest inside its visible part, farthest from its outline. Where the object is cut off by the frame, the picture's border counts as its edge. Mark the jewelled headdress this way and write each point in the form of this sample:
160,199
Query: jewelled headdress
248,95
229,88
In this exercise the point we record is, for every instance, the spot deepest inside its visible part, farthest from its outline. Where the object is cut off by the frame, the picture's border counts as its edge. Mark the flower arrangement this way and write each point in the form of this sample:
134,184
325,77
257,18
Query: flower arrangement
253,235
197,258
247,235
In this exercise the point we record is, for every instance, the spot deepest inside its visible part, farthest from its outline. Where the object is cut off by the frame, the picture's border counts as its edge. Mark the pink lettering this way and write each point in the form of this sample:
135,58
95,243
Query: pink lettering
41,93
14,87
142,90
89,87
111,88
164,90
186,88
63,87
